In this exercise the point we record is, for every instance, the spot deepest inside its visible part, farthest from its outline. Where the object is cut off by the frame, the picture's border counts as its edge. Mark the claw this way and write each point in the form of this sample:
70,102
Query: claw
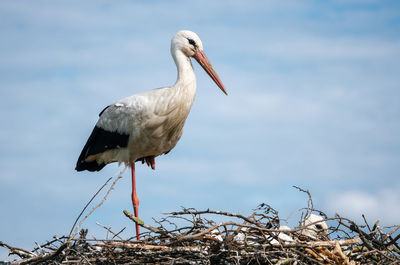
150,161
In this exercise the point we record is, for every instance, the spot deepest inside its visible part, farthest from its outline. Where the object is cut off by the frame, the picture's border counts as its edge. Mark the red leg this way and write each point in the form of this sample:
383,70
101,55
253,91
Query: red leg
135,199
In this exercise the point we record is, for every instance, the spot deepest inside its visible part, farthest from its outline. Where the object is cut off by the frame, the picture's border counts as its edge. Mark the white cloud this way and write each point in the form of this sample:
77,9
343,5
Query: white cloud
269,106
376,205
312,48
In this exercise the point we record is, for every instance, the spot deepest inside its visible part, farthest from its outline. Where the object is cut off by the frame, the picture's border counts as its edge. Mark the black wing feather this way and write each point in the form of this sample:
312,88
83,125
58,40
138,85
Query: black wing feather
100,140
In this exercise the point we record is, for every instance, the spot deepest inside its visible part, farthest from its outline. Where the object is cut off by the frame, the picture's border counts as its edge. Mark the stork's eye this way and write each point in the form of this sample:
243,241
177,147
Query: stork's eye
192,42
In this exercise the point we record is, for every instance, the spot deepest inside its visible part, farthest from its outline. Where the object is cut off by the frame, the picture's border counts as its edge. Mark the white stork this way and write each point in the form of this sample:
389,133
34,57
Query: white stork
146,125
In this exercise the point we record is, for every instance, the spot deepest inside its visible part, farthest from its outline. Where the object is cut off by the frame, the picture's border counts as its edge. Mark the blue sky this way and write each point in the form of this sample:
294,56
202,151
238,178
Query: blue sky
313,101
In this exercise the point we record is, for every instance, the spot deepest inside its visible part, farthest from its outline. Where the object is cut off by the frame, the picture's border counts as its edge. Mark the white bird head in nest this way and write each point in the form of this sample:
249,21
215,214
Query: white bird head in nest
190,45
315,227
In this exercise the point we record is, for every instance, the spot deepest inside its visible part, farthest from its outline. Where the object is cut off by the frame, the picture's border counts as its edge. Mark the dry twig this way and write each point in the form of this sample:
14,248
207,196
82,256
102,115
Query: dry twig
254,239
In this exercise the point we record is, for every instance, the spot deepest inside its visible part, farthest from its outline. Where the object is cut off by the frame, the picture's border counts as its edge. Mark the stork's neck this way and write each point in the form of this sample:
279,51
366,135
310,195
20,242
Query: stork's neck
186,77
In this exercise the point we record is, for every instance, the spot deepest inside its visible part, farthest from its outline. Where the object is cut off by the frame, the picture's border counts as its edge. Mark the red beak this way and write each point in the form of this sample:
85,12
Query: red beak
202,59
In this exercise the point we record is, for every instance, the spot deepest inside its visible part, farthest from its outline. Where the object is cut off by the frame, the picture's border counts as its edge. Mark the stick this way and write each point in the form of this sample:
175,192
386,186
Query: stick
18,251
148,247
141,223
42,258
84,208
109,230
98,205
208,211
391,233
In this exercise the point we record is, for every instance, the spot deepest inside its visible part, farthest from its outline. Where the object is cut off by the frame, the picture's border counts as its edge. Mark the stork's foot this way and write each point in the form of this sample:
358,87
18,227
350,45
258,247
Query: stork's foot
150,161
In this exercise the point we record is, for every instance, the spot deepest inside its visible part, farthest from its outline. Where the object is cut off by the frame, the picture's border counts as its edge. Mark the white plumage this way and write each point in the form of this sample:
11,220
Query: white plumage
315,227
146,125
150,123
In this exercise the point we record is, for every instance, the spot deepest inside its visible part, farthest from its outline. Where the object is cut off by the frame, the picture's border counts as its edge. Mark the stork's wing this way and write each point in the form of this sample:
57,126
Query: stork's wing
108,134
119,122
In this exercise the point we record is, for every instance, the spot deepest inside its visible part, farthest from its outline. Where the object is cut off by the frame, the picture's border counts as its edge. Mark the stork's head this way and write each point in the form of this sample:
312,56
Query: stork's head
315,227
190,45
187,41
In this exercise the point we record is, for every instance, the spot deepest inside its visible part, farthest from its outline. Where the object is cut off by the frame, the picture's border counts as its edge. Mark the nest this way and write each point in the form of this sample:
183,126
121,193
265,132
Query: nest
191,236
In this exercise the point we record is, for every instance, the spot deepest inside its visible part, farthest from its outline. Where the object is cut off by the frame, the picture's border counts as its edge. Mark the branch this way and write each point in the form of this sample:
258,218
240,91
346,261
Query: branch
18,251
98,205
84,208
208,211
141,223
109,230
